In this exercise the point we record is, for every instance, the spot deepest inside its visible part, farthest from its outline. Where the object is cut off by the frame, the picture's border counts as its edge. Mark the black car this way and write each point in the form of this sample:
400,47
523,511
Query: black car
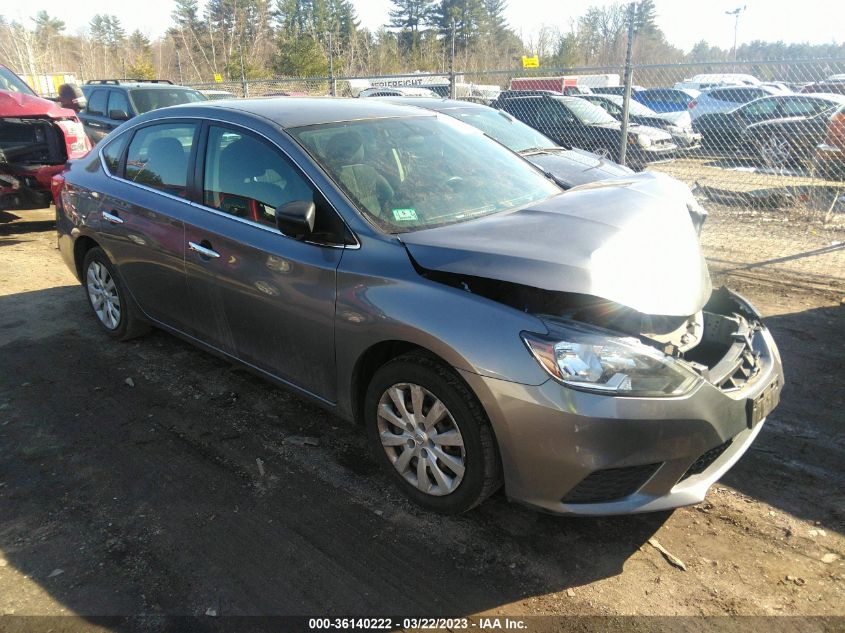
574,122
113,101
678,124
791,138
726,130
569,167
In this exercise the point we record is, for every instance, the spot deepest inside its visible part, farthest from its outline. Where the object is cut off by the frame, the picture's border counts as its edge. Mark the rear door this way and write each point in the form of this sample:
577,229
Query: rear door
255,293
141,216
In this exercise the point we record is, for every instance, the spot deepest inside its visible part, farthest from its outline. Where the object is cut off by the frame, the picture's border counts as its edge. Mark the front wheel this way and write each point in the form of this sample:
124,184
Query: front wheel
113,308
431,435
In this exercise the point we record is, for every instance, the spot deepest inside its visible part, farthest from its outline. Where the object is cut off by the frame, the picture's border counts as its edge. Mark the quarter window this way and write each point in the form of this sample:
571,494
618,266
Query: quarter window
112,153
158,157
248,178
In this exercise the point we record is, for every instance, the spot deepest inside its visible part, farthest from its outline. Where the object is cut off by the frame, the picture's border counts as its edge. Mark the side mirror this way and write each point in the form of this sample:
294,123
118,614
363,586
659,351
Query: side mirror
118,115
296,219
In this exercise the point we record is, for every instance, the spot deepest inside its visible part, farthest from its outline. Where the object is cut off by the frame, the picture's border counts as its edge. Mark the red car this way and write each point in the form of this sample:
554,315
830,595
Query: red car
830,154
37,138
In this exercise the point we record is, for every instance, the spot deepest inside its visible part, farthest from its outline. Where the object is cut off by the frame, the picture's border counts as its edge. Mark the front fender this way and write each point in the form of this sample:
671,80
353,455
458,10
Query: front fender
381,297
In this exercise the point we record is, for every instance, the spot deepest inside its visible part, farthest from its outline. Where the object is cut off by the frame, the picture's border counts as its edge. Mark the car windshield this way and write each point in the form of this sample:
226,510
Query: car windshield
416,173
586,112
11,82
513,134
634,107
146,99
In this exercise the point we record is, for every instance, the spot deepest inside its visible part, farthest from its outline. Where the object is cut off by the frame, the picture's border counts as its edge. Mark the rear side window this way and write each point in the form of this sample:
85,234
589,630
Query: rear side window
158,157
762,108
118,101
112,153
97,102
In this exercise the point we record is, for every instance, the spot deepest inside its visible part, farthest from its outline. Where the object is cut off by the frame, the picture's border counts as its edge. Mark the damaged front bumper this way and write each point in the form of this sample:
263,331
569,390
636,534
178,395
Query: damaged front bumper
26,186
574,452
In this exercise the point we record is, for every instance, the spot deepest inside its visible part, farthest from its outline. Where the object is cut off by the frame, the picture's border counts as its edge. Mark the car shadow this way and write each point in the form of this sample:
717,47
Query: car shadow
150,477
27,226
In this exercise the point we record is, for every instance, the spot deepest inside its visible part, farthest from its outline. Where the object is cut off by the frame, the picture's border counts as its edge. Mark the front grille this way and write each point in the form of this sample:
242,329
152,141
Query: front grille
610,484
706,460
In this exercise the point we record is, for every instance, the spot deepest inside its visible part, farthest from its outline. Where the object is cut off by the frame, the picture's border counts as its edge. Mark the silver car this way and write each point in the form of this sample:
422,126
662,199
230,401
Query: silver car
404,271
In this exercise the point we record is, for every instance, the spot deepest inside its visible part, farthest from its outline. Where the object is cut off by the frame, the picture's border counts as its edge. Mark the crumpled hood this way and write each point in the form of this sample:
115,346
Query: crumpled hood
629,241
17,104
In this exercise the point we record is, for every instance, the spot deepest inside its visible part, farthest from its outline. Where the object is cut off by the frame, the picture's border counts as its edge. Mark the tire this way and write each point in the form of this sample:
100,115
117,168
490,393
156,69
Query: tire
775,151
452,492
115,312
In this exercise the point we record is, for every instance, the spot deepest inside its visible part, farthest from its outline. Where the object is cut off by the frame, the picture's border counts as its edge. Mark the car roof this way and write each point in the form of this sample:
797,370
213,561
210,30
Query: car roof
291,112
138,84
439,105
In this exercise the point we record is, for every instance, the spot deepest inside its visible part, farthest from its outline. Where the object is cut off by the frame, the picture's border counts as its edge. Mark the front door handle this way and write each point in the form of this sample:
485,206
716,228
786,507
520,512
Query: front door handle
110,217
202,250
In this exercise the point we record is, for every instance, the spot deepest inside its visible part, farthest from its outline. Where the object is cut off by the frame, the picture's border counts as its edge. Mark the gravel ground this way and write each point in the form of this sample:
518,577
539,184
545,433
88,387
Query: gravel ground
130,484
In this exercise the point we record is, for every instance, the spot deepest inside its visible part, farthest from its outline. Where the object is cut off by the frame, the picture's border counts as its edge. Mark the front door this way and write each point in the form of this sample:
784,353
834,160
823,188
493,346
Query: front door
257,294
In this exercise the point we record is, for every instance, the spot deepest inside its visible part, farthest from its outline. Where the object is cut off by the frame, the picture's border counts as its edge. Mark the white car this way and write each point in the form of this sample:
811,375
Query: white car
726,98
711,80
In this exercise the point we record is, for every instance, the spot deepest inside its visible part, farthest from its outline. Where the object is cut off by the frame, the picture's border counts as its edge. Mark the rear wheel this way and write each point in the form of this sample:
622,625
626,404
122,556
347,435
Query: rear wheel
775,151
431,435
114,309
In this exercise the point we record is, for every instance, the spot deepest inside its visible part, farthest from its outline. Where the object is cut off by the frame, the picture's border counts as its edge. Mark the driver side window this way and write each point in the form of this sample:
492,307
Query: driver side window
247,177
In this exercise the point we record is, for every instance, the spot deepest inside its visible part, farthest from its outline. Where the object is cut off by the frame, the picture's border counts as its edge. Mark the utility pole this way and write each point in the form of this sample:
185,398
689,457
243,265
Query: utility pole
736,13
452,90
629,75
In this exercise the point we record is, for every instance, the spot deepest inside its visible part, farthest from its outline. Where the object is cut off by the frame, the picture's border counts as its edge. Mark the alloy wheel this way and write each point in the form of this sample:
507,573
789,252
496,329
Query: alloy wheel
421,439
102,292
774,150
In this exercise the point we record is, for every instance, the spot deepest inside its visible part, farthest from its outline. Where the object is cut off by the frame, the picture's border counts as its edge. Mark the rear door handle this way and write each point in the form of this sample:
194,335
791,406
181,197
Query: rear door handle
110,217
202,250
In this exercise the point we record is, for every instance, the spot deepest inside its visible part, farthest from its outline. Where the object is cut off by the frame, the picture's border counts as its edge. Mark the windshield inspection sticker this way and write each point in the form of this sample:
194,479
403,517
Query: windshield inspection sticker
404,215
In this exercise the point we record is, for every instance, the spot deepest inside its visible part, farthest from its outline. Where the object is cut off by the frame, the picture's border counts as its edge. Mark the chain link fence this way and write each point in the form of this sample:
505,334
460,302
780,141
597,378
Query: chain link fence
761,144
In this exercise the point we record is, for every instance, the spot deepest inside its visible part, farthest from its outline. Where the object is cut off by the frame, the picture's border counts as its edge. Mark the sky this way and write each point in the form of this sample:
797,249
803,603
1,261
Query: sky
685,22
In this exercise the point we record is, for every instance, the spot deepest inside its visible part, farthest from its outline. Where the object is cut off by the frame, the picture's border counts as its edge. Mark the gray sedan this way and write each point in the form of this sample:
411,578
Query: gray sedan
404,271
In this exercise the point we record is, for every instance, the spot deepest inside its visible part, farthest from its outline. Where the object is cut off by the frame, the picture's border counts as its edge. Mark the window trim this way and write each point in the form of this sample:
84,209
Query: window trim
202,124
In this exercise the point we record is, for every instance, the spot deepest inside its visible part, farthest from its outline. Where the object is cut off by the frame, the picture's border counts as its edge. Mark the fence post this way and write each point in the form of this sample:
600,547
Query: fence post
244,85
629,74
331,67
452,90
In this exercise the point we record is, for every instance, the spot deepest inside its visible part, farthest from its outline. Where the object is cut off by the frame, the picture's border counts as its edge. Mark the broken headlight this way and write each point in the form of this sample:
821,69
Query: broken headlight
597,361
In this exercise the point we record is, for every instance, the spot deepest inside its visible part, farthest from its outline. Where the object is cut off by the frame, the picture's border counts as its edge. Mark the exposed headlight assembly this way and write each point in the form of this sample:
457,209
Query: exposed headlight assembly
592,360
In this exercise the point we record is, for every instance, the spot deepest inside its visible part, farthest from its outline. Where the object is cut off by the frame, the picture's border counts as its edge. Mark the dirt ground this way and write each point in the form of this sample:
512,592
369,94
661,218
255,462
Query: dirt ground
130,484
